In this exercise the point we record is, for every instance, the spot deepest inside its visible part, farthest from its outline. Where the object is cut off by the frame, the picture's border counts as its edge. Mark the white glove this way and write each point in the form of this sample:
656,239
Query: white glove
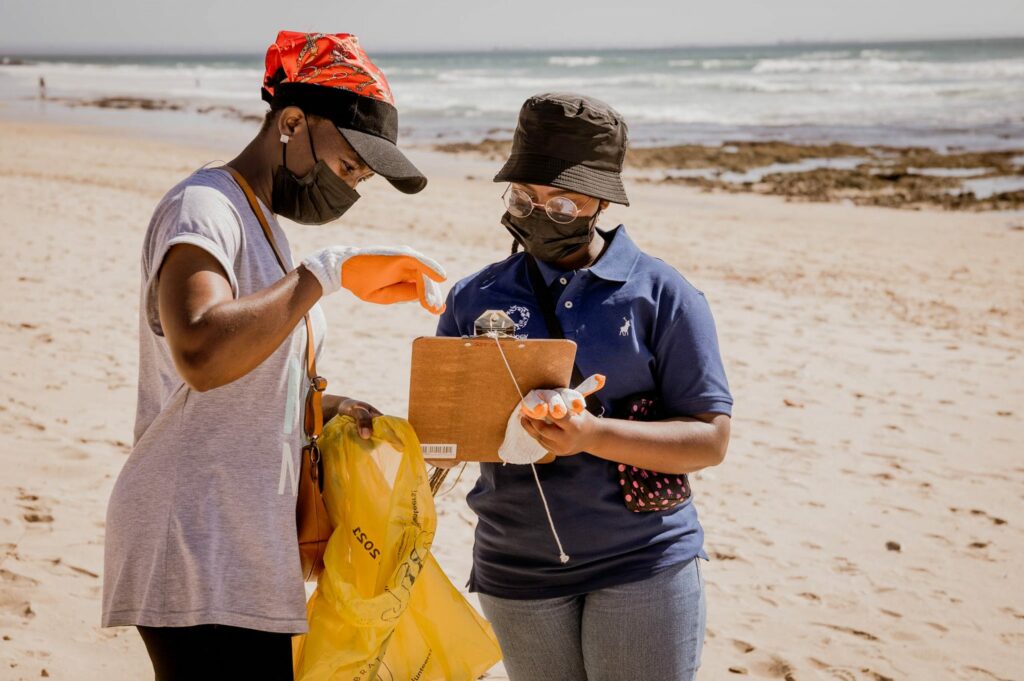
519,446
379,274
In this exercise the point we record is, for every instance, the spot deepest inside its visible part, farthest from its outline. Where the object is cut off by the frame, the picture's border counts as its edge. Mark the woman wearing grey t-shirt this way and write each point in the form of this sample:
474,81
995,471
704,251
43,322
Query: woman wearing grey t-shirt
201,553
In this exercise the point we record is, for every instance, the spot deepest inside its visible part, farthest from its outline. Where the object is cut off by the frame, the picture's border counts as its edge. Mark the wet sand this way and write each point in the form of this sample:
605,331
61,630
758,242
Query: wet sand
866,523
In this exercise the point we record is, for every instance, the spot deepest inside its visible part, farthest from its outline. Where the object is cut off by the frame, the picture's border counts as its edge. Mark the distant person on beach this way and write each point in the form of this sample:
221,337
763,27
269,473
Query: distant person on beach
201,552
625,600
42,88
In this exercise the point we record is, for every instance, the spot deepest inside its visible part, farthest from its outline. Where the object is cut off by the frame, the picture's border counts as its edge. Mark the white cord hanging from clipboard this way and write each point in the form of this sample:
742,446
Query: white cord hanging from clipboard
562,555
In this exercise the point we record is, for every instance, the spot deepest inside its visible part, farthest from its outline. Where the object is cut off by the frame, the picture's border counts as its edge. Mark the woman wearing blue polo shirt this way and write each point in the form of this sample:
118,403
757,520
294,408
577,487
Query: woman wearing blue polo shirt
629,601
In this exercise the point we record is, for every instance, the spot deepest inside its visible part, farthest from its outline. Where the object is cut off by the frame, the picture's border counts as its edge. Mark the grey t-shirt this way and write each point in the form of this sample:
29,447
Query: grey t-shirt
201,521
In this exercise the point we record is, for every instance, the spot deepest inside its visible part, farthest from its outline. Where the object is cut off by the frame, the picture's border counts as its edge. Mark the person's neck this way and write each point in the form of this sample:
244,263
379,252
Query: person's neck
255,165
585,256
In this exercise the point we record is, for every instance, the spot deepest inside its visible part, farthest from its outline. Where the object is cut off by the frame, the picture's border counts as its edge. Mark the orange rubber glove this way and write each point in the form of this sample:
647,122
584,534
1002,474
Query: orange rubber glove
380,274
539,404
518,447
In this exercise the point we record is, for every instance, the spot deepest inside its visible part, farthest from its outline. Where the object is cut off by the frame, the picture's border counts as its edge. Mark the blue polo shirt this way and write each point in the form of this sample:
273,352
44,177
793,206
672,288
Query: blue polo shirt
636,320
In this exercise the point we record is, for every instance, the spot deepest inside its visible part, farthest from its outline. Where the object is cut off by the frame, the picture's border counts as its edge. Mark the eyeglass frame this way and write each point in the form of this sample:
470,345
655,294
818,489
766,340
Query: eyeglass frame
545,205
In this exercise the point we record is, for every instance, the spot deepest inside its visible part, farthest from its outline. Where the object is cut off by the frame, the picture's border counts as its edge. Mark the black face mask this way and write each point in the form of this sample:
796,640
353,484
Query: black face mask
547,240
313,199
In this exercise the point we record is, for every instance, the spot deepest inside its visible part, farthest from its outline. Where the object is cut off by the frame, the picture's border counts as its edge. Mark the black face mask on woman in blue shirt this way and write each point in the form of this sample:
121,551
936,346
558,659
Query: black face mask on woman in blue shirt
547,240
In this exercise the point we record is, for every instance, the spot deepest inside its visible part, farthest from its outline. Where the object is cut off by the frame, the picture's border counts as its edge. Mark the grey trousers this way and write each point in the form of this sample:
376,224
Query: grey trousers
652,629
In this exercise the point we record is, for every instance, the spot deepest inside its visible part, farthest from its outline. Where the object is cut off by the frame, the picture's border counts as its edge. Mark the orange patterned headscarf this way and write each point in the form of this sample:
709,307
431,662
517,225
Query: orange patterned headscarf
329,75
330,60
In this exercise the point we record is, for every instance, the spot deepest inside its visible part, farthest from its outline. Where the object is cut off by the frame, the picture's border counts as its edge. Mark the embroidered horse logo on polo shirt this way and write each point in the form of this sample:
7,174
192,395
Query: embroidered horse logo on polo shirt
626,326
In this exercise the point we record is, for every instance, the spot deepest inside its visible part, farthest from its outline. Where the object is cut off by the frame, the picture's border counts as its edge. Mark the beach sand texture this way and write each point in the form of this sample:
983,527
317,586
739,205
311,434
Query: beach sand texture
866,523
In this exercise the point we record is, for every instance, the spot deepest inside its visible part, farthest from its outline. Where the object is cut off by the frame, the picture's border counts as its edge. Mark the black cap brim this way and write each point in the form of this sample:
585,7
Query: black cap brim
386,160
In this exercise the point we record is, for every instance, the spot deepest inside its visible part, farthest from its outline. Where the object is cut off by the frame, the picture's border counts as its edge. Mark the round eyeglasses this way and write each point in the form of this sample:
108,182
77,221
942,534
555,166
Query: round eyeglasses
560,209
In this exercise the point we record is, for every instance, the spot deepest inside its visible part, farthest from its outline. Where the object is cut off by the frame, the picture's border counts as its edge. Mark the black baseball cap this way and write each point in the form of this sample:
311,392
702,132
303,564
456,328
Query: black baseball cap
330,75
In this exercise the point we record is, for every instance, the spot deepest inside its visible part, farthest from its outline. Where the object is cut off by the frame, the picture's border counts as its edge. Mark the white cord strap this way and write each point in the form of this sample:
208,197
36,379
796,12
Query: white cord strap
562,555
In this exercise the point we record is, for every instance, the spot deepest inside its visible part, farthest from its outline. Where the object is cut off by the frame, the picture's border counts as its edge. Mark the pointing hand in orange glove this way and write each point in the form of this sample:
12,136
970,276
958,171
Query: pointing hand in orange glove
380,274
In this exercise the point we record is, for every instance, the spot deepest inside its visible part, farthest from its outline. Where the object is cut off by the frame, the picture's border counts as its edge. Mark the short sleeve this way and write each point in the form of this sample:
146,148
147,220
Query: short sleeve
688,364
201,216
448,324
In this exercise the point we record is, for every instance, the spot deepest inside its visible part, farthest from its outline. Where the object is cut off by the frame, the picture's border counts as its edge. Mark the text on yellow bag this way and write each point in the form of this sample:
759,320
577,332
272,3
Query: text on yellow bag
383,608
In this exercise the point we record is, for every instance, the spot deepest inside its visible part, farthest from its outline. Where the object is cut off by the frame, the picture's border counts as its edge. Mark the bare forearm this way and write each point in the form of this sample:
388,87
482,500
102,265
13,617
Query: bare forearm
331,404
675,446
232,338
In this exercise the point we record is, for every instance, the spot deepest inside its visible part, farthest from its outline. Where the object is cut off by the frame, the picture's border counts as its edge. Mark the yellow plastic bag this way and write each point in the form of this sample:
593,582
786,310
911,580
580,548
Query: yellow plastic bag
383,609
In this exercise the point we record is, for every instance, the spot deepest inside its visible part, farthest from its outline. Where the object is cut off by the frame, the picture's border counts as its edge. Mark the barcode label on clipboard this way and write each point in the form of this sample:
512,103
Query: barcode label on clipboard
438,451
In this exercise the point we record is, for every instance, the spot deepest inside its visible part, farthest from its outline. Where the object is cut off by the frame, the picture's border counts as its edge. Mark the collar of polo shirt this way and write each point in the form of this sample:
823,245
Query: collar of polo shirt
615,263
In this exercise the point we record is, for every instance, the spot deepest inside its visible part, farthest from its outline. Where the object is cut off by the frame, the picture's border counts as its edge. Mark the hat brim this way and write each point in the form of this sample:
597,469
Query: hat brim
386,160
556,172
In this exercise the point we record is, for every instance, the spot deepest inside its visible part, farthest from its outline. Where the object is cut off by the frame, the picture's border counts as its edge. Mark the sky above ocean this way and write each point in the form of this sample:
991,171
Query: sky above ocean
219,26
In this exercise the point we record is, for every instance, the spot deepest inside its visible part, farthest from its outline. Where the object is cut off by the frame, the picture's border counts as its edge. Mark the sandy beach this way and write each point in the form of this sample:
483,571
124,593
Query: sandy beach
866,524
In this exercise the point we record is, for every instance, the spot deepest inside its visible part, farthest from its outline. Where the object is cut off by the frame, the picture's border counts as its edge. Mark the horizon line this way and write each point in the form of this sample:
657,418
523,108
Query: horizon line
90,52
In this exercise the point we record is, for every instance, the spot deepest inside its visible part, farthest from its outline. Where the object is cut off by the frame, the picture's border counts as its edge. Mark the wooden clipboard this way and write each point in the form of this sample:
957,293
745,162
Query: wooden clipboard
461,394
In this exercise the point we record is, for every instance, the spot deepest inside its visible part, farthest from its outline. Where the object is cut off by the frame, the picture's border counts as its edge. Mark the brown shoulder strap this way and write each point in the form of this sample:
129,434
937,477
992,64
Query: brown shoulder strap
314,422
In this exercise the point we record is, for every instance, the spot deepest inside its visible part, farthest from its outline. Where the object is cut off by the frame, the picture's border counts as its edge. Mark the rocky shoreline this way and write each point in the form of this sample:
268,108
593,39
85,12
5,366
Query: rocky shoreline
889,176
894,177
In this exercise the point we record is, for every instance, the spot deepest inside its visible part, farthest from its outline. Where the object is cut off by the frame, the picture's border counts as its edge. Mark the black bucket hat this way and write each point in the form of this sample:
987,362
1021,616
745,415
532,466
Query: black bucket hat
571,142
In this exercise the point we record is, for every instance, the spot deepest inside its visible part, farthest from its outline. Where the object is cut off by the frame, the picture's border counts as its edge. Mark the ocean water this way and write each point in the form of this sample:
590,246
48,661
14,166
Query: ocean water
941,94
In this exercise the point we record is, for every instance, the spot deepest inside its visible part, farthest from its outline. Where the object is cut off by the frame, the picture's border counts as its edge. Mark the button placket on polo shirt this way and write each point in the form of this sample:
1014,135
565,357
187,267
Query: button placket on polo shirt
567,305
